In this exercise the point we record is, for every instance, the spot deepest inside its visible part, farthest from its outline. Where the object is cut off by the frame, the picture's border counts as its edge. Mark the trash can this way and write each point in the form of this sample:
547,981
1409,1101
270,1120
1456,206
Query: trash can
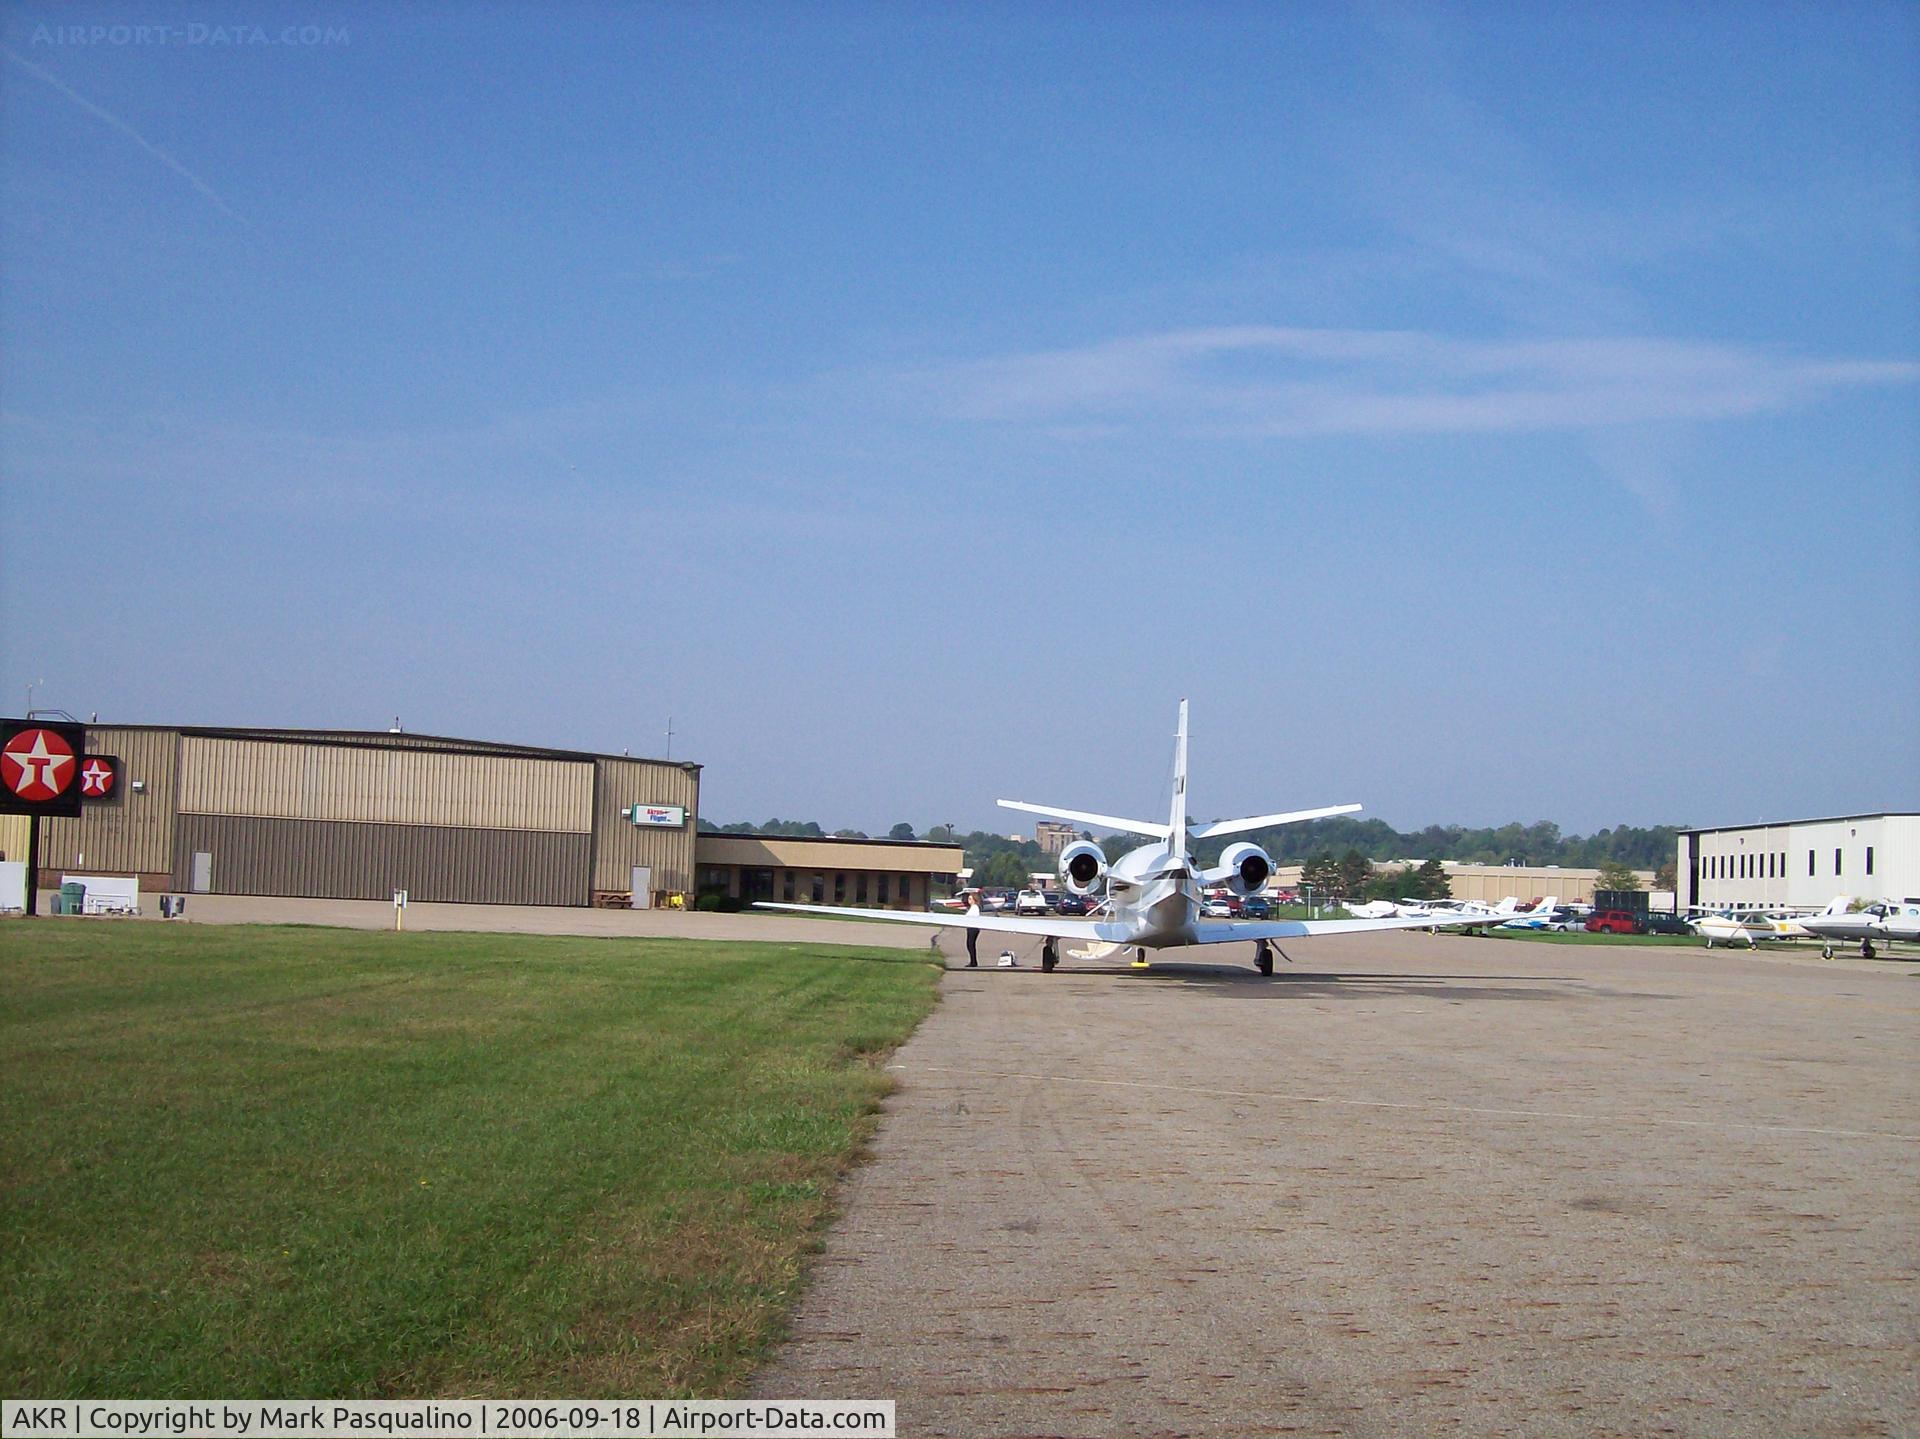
73,899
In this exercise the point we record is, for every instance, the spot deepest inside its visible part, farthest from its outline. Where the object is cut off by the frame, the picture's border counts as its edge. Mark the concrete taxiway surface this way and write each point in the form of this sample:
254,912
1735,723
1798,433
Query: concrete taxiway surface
1413,1184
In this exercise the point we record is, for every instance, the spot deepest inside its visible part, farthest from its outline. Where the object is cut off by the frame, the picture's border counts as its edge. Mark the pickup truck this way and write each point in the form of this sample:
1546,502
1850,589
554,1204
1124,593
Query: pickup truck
1031,901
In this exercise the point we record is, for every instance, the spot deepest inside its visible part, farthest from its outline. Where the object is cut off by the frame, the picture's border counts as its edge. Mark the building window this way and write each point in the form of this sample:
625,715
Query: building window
786,886
819,890
906,889
1869,859
1836,861
1809,864
839,889
860,887
880,894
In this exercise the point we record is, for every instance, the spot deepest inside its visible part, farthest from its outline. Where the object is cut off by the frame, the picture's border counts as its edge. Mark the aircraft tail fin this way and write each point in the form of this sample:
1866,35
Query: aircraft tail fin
1177,820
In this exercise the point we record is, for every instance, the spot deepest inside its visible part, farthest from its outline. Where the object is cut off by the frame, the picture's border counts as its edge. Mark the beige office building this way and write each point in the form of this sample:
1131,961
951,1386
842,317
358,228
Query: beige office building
1491,883
869,873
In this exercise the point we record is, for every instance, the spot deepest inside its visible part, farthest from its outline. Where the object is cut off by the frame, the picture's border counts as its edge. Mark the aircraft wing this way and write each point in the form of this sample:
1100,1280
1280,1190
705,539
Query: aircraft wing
1235,931
1079,929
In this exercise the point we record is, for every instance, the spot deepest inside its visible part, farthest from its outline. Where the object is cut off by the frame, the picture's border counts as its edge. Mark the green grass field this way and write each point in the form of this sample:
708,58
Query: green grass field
1580,936
312,1162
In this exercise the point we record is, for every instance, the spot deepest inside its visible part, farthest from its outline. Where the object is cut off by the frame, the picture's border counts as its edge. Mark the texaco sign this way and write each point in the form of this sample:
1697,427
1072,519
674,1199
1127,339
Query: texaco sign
40,767
99,777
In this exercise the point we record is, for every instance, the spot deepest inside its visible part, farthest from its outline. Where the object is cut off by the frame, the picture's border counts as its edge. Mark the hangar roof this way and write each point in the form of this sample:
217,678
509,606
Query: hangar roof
1785,823
402,739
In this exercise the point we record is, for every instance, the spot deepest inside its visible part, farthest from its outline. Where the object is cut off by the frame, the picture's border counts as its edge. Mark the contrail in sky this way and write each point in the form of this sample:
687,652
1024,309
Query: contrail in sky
125,129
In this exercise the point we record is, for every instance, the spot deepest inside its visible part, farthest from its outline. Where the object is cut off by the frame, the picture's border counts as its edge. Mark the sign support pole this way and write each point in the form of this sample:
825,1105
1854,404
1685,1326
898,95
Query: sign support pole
33,864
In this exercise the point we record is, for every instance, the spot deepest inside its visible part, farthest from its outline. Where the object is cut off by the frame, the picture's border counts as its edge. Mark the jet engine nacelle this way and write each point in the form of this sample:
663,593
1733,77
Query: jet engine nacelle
1243,868
1082,866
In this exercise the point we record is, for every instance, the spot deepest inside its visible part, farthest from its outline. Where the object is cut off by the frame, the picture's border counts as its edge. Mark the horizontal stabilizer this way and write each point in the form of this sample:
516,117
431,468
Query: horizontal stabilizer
1157,829
1264,821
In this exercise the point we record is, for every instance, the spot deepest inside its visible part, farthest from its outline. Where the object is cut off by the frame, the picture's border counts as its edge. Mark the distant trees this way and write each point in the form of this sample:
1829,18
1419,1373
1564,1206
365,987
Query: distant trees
1321,876
785,828
1663,877
903,830
1005,870
1615,875
1534,844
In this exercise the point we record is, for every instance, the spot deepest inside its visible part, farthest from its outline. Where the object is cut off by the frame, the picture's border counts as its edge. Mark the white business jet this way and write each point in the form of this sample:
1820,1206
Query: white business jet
1153,893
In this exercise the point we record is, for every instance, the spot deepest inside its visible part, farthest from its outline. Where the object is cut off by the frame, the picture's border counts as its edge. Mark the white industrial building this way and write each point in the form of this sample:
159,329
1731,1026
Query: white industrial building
1800,863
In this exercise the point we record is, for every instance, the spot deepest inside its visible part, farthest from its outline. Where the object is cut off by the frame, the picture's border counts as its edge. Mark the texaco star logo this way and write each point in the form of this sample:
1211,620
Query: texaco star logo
96,779
37,765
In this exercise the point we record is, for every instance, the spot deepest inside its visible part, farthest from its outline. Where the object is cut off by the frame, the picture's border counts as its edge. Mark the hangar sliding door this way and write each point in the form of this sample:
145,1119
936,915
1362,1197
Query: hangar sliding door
345,821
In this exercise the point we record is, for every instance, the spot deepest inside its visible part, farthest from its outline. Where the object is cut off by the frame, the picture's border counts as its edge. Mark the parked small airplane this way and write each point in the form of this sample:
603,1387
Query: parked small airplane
1884,922
1153,892
1539,917
1372,909
1728,927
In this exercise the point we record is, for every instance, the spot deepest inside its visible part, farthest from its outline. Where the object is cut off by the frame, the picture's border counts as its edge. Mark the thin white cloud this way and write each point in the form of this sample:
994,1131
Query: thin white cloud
106,116
1273,380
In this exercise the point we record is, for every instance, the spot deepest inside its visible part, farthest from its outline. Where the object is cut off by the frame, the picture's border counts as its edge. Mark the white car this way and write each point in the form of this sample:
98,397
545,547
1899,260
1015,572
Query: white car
1030,901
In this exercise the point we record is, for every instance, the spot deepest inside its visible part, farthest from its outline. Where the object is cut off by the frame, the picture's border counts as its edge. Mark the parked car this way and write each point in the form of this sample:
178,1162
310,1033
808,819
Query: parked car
1615,921
1073,904
1255,907
1564,918
1667,924
1216,908
1030,901
996,901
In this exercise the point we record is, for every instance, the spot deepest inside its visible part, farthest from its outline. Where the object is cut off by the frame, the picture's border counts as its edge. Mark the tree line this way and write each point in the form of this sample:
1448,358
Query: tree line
1002,863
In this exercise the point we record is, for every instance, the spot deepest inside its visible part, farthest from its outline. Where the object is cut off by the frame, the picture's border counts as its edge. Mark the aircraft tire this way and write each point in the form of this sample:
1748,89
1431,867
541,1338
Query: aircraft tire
1049,957
1826,951
1263,960
1866,949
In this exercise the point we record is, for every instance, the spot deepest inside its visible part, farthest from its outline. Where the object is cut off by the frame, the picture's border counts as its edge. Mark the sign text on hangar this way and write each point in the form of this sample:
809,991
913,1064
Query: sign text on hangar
665,816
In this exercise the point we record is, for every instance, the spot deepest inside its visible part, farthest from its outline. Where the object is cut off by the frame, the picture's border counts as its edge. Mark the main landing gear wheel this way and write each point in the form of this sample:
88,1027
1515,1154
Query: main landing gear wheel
1049,956
1826,951
1263,957
1866,949
1140,958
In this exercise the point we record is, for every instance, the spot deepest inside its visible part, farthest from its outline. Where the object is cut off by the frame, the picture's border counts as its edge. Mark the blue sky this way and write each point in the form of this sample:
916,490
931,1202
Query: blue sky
1481,412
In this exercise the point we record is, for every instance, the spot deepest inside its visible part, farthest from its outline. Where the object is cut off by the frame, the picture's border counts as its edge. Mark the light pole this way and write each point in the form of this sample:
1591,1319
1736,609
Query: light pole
31,687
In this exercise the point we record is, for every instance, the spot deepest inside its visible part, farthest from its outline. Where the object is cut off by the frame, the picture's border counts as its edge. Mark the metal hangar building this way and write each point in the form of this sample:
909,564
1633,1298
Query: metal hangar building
350,814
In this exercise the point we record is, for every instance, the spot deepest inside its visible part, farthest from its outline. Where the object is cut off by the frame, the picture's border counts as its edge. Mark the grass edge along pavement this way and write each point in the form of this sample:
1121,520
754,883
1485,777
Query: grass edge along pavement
269,1161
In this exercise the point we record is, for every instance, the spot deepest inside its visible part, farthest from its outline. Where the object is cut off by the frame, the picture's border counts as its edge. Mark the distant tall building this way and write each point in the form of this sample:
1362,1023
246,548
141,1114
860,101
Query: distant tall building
1052,837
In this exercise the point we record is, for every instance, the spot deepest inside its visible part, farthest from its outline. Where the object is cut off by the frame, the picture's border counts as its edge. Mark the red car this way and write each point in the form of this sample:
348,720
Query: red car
1616,921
